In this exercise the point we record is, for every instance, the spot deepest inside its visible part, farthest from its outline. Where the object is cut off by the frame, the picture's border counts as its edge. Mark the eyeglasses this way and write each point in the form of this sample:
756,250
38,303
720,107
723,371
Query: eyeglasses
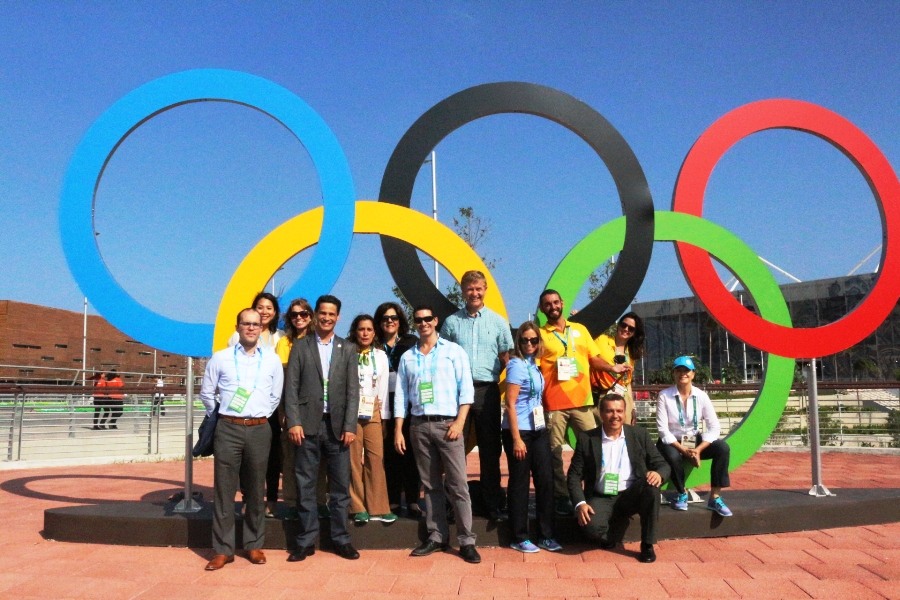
626,327
420,320
390,318
533,341
305,314
251,325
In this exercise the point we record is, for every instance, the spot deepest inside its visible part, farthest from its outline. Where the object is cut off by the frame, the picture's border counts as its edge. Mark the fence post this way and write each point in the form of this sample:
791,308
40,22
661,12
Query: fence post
187,504
18,416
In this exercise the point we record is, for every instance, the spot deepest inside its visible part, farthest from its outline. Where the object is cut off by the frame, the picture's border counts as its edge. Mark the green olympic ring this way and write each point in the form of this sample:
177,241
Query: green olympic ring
605,241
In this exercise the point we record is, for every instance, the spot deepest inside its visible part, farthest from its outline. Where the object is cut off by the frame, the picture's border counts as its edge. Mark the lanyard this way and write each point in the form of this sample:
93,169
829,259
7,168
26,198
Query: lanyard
363,360
533,391
681,410
237,371
621,454
434,361
564,343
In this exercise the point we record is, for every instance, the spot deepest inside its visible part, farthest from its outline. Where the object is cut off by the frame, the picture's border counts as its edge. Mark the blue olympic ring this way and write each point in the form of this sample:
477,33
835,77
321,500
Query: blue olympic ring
130,112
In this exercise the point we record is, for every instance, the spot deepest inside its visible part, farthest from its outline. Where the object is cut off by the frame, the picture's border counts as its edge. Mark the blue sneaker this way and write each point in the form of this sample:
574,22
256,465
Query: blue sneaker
717,505
550,545
526,547
680,502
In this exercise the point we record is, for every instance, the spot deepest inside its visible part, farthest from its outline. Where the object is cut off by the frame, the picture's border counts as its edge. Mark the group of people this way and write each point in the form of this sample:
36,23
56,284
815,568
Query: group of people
372,421
109,401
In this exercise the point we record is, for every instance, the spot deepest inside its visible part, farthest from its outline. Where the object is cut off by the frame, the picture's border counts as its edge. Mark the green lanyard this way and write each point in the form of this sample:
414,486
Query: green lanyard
563,342
681,410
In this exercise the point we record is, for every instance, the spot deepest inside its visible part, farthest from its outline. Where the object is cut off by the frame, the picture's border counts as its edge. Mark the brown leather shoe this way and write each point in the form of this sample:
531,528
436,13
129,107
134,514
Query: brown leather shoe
256,557
218,561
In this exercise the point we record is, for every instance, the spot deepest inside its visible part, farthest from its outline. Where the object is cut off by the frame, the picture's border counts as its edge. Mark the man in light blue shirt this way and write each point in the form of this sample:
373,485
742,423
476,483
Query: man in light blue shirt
487,340
434,386
248,381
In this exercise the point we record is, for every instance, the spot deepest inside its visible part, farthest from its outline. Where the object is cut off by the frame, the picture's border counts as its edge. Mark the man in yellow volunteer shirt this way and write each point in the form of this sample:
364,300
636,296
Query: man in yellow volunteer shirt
569,354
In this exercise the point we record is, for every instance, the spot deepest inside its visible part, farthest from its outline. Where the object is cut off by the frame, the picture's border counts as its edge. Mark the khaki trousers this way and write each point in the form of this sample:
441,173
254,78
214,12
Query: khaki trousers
368,486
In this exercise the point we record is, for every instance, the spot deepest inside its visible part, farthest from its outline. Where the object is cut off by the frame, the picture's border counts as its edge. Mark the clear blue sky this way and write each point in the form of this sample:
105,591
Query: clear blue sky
191,192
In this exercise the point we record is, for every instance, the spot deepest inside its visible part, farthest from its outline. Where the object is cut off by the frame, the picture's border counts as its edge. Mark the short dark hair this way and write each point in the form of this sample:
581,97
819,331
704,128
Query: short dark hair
611,398
427,307
547,292
241,313
356,321
328,299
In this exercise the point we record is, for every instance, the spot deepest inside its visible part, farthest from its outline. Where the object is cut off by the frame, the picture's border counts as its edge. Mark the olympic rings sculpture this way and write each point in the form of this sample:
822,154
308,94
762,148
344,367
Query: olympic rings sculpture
332,226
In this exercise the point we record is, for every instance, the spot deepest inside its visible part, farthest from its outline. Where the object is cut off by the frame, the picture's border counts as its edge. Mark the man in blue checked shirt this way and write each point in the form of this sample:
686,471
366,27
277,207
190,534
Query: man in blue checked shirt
487,340
248,381
434,385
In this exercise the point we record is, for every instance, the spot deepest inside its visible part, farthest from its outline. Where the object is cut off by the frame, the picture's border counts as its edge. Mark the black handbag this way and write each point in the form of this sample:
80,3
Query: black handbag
206,434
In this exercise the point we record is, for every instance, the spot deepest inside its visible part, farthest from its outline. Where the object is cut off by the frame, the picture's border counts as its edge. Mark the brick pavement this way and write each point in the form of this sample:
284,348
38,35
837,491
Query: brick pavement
857,562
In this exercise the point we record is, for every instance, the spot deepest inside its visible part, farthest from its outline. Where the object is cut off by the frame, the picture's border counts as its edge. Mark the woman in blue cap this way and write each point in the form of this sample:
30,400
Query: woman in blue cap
689,431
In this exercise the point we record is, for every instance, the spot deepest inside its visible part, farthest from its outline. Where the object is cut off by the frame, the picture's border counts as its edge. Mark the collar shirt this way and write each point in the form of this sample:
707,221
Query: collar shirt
325,351
614,459
446,367
484,337
603,380
575,342
260,374
373,373
674,420
525,374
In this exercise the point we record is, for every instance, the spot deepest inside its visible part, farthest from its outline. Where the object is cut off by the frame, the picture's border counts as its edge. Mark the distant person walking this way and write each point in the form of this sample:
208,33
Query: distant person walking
101,401
116,398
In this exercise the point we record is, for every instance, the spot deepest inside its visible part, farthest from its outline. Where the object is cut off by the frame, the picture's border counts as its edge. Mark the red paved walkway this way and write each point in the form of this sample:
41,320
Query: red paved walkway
857,562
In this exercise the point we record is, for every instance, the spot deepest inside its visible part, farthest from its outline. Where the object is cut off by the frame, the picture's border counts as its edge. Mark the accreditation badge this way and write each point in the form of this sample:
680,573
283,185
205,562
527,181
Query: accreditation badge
538,416
366,407
611,484
426,393
566,368
689,441
239,400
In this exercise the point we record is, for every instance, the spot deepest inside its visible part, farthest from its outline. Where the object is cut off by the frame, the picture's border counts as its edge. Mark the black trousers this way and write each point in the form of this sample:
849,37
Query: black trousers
400,470
718,451
537,464
484,418
273,468
612,514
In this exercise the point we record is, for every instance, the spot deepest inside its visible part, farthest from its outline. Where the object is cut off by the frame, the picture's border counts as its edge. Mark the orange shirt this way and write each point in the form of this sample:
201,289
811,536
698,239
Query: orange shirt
575,342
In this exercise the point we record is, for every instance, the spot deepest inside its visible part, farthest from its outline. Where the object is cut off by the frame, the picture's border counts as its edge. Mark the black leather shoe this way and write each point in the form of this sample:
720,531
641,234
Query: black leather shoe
606,544
346,551
470,554
301,554
647,554
429,547
498,516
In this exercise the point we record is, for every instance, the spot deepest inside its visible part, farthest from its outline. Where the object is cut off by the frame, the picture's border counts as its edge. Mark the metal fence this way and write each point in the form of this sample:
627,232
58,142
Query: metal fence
43,424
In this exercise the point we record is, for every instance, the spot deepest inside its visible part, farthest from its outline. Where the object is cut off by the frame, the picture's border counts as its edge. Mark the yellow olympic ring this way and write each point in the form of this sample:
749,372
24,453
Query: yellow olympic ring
299,233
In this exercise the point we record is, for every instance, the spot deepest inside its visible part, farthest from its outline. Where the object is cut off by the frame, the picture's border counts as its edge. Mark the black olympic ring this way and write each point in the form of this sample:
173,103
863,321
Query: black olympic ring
518,97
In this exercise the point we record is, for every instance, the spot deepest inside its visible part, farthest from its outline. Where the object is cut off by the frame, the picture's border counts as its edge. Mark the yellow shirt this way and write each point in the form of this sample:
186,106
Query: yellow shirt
602,379
575,342
283,349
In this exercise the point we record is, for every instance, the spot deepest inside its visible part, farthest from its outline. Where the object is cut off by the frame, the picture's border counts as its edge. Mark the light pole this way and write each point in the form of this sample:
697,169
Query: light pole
434,213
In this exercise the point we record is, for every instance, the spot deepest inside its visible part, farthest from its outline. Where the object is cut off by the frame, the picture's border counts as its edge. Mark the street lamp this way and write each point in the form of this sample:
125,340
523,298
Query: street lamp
434,214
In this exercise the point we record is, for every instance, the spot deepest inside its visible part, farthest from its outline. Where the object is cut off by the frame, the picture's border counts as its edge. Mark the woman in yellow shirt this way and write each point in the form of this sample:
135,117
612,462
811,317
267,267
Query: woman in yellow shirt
625,347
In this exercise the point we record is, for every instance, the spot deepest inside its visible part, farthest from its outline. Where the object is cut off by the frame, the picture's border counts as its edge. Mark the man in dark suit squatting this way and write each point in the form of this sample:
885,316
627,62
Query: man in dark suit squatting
615,473
321,397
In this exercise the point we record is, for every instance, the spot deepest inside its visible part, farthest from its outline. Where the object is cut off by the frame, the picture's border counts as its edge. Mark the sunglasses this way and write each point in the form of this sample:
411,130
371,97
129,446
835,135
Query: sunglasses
389,318
305,314
532,340
626,327
420,320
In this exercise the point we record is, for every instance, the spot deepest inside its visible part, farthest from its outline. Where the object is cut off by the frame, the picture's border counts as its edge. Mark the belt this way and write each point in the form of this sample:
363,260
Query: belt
479,384
434,418
244,420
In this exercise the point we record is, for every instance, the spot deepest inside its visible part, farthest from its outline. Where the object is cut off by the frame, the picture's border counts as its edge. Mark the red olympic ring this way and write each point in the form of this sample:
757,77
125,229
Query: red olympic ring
809,342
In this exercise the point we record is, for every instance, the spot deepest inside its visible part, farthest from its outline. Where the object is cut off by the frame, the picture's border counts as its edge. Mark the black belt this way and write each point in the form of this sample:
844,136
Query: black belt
483,383
434,418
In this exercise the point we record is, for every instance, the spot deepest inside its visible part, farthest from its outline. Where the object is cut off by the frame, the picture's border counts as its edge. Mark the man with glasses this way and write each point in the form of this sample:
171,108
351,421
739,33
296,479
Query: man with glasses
321,403
569,354
434,386
486,338
248,381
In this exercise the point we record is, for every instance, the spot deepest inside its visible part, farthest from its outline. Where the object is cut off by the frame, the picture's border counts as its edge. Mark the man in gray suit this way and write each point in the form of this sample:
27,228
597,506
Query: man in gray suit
615,473
321,399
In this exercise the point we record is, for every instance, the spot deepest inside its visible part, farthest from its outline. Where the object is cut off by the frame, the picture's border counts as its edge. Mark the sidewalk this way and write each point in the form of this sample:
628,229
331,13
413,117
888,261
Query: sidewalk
857,562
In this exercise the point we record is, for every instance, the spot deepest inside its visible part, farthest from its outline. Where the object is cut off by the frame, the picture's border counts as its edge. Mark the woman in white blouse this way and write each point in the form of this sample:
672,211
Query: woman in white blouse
368,488
689,431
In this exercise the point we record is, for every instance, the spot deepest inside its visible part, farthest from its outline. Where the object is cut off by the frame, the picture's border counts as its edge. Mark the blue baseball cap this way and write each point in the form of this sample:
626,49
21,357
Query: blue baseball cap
684,361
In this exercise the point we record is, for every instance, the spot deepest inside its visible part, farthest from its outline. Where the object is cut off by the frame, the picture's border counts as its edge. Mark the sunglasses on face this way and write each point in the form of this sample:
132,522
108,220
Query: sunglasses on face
304,314
533,341
389,318
420,320
626,327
